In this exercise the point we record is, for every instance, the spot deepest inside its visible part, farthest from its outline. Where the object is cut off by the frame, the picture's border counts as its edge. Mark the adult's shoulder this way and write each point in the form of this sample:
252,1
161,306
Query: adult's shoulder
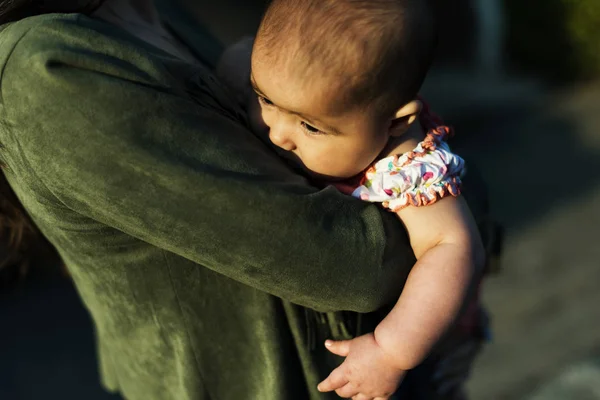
33,48
13,32
50,32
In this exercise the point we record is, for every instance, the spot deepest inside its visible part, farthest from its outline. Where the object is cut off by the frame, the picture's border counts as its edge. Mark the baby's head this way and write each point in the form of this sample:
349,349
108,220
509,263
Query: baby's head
337,78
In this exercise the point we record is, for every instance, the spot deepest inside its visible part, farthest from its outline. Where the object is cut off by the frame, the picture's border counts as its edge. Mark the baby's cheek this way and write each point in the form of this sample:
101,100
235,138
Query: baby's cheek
320,162
345,166
364,158
335,159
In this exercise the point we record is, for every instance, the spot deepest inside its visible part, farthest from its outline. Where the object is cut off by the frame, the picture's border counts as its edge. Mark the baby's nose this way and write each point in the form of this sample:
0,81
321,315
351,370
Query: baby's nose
282,138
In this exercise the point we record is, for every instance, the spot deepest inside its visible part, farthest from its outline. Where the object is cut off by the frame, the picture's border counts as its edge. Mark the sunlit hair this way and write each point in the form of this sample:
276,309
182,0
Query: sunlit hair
380,49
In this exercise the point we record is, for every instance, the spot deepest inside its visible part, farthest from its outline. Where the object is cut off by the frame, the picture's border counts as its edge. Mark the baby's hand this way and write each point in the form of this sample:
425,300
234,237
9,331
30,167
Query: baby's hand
367,373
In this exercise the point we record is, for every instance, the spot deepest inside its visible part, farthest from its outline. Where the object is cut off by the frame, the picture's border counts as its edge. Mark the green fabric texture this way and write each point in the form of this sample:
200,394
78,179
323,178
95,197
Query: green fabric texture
193,246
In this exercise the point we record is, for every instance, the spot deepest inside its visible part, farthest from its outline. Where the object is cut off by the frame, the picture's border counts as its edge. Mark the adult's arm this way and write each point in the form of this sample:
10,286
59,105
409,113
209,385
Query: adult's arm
113,136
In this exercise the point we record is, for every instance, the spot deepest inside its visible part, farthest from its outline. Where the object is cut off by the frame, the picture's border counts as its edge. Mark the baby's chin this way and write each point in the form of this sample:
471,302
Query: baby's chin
322,176
325,176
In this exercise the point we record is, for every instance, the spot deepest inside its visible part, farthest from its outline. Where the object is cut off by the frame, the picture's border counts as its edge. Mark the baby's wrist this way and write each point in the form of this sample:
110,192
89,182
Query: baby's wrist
398,355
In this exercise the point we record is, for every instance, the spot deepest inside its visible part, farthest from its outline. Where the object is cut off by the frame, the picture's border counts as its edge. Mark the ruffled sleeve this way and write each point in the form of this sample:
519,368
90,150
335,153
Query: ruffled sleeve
418,178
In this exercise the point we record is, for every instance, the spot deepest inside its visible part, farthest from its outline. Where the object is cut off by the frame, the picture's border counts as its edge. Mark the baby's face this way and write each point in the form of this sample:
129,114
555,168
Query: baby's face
303,119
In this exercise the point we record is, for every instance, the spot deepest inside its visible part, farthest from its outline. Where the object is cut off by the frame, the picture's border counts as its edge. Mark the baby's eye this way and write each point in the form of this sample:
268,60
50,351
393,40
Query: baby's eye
311,130
265,101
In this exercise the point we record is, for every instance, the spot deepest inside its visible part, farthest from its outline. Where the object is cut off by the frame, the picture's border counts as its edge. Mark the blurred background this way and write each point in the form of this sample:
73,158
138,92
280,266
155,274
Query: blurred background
520,82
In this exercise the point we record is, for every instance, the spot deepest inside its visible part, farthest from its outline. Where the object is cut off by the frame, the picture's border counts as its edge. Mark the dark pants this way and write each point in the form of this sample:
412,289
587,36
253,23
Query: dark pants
444,374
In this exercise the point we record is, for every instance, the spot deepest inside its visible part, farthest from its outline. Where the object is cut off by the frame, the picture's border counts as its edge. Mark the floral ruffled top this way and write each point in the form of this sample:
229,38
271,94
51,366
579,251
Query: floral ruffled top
417,178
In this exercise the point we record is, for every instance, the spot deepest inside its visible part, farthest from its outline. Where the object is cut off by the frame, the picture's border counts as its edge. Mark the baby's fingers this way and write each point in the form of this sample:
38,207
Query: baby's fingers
334,381
361,396
348,391
338,347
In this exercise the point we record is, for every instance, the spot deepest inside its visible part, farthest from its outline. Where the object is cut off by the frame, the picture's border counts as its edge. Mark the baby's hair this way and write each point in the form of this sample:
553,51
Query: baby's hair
380,50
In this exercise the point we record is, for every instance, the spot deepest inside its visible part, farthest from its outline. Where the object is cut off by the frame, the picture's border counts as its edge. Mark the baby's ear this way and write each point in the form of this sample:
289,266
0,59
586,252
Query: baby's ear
405,117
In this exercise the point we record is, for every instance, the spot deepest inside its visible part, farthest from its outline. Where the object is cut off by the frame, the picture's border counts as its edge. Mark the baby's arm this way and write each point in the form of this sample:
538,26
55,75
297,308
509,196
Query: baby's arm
448,248
446,242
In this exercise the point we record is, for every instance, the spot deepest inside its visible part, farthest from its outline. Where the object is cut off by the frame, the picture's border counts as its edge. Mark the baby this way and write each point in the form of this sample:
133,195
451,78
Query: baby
337,84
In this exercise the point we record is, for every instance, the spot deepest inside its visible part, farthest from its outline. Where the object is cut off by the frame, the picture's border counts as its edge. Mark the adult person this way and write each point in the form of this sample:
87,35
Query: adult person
209,267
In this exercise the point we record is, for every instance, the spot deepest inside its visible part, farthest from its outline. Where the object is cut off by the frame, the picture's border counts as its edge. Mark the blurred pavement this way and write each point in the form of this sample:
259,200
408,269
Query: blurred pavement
539,151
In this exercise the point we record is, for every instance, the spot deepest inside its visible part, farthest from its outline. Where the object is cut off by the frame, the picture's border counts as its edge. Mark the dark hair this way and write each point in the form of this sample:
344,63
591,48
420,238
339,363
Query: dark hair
21,242
22,245
380,49
14,10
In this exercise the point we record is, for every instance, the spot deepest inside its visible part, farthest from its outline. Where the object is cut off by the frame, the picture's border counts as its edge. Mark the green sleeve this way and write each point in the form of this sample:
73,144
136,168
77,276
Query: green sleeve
110,136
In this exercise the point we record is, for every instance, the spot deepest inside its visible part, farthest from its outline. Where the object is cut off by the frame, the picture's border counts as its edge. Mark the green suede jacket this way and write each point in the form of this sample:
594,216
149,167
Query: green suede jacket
199,254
